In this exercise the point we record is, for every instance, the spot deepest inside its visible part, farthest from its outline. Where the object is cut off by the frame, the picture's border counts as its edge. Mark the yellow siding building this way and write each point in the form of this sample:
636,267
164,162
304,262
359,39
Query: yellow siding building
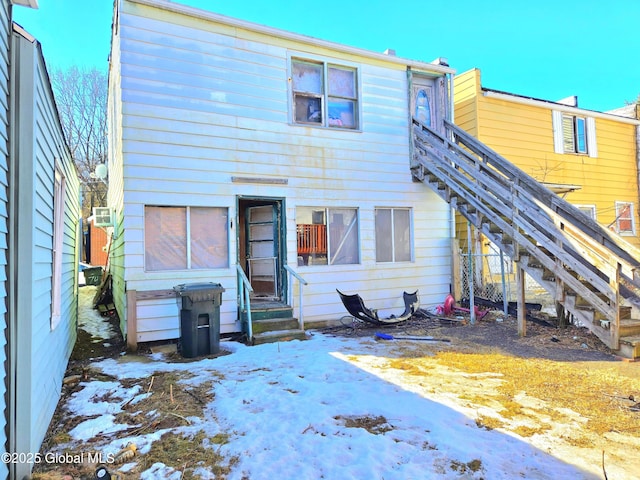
589,157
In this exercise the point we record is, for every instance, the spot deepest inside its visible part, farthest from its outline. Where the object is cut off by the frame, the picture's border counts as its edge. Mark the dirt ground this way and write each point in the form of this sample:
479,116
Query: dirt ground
495,332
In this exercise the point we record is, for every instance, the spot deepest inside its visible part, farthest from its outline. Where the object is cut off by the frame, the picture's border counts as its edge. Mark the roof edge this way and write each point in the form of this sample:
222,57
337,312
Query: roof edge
271,31
537,102
26,3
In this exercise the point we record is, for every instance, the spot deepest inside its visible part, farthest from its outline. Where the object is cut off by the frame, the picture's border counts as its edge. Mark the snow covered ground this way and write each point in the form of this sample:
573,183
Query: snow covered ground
296,410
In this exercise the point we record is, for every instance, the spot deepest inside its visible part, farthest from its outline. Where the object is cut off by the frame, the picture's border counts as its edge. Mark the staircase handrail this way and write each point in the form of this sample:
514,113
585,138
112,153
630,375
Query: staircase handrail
303,282
497,197
551,200
244,291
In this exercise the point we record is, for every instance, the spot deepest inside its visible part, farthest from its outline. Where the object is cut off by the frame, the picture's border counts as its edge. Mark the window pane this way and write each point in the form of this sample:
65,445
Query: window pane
343,237
423,108
384,248
209,237
312,236
581,139
402,235
624,216
342,83
307,77
307,109
342,113
567,134
165,238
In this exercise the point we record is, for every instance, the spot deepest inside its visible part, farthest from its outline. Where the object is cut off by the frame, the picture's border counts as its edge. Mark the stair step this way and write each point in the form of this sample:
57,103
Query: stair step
629,327
273,324
279,336
630,347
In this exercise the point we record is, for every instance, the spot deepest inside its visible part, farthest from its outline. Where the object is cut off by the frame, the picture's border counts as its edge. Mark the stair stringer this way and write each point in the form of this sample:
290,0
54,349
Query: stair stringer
526,221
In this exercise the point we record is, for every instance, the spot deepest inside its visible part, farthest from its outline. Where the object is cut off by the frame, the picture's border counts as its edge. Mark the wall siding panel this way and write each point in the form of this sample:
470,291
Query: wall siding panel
187,129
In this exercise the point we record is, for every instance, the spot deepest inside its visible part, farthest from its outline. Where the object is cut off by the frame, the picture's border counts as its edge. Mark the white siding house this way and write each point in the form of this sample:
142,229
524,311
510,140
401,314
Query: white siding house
237,145
39,245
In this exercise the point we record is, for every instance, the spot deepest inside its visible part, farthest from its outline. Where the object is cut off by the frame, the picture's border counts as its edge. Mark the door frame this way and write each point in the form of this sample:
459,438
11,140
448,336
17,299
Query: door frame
243,202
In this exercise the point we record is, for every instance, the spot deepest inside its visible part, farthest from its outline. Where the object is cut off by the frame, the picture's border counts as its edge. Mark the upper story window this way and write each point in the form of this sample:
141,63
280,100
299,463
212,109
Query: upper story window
324,94
574,134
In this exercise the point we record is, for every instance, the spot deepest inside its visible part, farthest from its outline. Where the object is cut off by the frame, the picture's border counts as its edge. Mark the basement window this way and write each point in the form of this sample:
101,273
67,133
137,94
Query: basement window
324,94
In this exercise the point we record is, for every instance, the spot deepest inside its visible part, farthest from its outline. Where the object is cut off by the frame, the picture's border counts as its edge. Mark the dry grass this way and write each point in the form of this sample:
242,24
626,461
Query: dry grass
169,404
603,395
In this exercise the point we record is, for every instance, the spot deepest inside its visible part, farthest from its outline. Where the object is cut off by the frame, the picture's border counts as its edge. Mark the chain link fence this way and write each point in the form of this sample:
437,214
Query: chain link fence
494,278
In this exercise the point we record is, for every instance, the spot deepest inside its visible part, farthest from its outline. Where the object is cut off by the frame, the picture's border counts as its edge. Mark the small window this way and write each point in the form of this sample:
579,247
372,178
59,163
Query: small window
574,134
590,210
183,238
335,105
393,235
625,223
327,236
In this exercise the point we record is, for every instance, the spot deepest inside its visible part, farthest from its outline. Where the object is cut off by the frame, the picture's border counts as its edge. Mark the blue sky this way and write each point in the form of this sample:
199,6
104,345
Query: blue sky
547,49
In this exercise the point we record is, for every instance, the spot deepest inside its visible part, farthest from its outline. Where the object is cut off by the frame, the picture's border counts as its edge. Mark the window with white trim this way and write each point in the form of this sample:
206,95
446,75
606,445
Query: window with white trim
185,238
393,235
574,134
57,247
590,210
327,236
625,222
324,94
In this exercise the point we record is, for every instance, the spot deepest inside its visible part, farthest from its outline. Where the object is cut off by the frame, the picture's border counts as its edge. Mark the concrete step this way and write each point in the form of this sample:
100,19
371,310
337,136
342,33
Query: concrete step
279,336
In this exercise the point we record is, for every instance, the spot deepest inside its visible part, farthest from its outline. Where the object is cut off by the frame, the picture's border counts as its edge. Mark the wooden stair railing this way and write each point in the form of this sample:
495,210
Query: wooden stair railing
566,251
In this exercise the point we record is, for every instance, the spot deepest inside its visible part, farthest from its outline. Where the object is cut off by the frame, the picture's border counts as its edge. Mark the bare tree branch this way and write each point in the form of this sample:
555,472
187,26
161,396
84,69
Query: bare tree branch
81,97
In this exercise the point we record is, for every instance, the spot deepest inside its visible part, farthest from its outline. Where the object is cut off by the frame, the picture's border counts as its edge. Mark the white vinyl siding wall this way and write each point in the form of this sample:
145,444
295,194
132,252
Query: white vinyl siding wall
187,129
4,154
43,352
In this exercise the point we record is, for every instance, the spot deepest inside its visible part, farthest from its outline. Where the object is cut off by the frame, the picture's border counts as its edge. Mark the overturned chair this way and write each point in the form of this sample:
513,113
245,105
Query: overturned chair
357,309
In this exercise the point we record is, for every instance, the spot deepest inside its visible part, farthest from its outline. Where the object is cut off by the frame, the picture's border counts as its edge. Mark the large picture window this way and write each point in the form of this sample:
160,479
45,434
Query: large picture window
327,236
324,94
183,238
393,235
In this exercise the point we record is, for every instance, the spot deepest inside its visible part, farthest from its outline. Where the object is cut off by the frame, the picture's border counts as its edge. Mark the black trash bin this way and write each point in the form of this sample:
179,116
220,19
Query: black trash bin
199,305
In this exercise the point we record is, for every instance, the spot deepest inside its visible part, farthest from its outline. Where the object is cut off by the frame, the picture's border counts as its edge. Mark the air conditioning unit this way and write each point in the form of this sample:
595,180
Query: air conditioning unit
102,217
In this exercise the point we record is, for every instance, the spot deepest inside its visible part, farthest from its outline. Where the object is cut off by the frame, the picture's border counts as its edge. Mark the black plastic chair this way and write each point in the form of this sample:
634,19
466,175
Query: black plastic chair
357,309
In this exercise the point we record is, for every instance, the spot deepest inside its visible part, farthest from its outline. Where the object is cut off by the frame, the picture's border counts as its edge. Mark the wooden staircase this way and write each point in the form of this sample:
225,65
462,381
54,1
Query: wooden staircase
583,266
272,322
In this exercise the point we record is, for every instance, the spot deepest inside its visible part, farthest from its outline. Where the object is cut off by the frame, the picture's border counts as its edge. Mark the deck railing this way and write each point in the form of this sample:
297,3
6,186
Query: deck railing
303,282
244,292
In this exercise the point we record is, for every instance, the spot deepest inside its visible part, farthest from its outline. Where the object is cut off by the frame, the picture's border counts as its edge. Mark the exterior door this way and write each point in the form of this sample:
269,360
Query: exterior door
428,100
263,259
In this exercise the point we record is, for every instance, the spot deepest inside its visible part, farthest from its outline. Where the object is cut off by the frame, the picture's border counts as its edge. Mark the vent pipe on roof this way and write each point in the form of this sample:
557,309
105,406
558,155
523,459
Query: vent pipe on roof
571,101
390,51
444,61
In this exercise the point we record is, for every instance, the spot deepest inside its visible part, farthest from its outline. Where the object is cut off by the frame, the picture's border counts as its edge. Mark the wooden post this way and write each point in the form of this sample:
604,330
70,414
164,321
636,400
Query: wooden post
472,310
132,321
522,307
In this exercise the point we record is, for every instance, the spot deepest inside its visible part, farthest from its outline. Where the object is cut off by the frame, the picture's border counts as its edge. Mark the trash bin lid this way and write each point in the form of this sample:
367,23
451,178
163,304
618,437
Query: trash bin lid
186,288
